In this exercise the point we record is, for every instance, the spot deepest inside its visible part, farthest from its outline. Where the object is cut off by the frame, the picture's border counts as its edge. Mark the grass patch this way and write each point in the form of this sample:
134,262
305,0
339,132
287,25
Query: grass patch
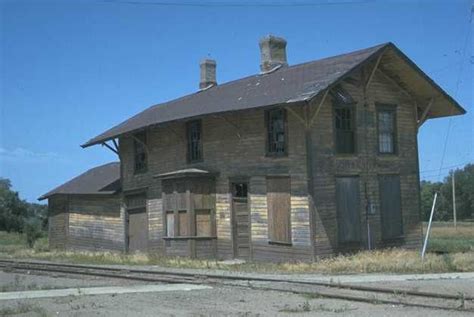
445,238
459,259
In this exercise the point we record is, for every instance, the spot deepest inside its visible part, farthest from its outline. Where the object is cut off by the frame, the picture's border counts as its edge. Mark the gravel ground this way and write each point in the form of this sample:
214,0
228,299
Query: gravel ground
219,301
10,282
442,286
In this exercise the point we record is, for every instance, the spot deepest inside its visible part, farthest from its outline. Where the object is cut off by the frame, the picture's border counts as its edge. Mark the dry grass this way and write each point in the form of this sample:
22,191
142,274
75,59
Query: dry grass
382,261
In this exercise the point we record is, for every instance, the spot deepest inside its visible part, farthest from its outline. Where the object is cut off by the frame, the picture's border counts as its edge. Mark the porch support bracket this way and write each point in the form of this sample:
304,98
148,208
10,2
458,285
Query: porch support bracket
424,115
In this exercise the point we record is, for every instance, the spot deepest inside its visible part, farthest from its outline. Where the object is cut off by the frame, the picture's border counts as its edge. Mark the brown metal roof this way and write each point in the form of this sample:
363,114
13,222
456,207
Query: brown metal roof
286,85
100,180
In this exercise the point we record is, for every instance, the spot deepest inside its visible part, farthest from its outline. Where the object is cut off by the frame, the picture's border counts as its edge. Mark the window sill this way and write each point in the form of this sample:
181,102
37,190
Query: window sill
287,244
191,238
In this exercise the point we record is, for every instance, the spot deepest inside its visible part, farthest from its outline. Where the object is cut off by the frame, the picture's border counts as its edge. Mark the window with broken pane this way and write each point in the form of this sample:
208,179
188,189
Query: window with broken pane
276,132
194,135
140,154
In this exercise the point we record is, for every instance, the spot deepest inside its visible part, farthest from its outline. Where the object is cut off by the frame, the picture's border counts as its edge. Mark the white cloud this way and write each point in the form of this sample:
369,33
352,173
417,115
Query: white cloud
22,154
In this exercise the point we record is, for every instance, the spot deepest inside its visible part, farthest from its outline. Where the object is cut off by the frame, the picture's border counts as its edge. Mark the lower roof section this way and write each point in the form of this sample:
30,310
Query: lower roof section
100,180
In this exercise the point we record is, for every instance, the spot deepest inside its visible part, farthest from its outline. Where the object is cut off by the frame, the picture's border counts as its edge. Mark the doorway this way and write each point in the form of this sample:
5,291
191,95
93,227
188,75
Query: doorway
240,220
137,223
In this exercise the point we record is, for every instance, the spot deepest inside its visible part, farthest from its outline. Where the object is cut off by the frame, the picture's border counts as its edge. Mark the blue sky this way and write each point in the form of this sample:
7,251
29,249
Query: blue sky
71,69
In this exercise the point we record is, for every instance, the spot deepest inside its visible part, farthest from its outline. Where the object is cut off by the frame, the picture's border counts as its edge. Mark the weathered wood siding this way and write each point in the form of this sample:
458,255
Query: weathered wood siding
367,164
234,146
96,223
58,222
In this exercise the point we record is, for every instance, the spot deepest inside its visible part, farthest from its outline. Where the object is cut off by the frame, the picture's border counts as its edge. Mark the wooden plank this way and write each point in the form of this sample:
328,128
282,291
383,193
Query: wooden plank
348,201
372,73
318,108
279,209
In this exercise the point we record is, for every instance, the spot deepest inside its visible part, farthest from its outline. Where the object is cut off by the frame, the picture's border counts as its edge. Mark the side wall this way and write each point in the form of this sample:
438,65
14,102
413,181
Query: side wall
86,222
96,223
367,164
58,222
233,146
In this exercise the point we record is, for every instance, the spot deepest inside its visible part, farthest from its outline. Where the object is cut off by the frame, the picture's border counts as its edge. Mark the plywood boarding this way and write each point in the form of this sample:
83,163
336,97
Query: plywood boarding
279,209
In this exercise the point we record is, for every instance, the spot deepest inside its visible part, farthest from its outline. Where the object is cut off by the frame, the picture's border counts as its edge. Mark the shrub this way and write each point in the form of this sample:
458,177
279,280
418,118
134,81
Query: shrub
32,230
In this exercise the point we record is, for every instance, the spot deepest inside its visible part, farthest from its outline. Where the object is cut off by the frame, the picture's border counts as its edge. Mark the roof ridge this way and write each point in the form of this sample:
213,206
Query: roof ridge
277,71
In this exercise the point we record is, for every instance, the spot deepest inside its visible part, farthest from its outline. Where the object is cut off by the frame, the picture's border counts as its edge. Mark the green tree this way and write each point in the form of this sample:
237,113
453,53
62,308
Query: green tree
13,210
464,182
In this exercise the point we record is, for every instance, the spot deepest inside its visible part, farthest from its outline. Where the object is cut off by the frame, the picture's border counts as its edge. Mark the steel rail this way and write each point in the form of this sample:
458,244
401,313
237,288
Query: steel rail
185,277
254,279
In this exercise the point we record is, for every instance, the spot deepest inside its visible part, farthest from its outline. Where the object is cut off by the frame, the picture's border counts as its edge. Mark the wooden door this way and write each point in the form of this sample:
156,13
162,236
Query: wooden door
137,223
137,232
390,206
348,211
240,220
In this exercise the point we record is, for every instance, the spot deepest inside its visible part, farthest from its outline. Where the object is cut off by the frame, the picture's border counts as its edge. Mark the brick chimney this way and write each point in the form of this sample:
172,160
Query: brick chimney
272,53
208,73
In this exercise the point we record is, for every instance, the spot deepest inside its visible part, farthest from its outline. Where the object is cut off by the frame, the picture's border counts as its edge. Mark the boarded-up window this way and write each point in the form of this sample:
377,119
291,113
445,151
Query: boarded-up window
203,223
279,209
276,132
183,223
386,122
140,154
390,206
348,214
194,134
169,224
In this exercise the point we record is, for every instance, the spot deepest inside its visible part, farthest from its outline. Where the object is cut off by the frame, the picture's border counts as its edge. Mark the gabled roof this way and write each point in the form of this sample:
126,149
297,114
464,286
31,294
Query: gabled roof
286,85
101,180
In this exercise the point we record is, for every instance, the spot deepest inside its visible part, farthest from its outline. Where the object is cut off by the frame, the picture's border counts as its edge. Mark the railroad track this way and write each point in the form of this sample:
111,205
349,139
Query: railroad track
359,293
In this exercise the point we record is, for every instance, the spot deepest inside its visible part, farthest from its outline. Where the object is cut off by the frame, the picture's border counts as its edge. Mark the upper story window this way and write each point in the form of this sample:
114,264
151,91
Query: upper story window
386,123
276,132
344,121
140,152
194,136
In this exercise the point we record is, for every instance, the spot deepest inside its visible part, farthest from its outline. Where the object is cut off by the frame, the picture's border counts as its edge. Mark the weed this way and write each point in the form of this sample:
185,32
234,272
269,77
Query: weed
23,308
305,307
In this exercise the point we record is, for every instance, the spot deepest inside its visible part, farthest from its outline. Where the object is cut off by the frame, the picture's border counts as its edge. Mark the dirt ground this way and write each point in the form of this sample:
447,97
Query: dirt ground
218,301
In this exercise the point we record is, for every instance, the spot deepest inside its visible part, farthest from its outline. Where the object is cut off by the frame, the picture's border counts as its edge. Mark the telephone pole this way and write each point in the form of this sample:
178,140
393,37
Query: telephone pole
454,199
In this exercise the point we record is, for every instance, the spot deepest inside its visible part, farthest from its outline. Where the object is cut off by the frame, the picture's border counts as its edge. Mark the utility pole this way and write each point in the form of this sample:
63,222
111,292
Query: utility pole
454,199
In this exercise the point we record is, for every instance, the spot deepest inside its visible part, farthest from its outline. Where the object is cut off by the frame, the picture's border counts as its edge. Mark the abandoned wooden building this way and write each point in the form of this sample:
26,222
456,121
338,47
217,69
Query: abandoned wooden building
86,212
294,163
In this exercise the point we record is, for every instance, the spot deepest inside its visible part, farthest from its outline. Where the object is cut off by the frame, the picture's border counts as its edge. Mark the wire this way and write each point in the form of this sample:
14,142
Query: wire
456,91
444,168
238,4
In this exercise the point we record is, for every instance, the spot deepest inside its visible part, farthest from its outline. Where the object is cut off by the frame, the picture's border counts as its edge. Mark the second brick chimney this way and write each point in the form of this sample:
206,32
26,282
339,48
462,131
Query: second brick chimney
208,73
